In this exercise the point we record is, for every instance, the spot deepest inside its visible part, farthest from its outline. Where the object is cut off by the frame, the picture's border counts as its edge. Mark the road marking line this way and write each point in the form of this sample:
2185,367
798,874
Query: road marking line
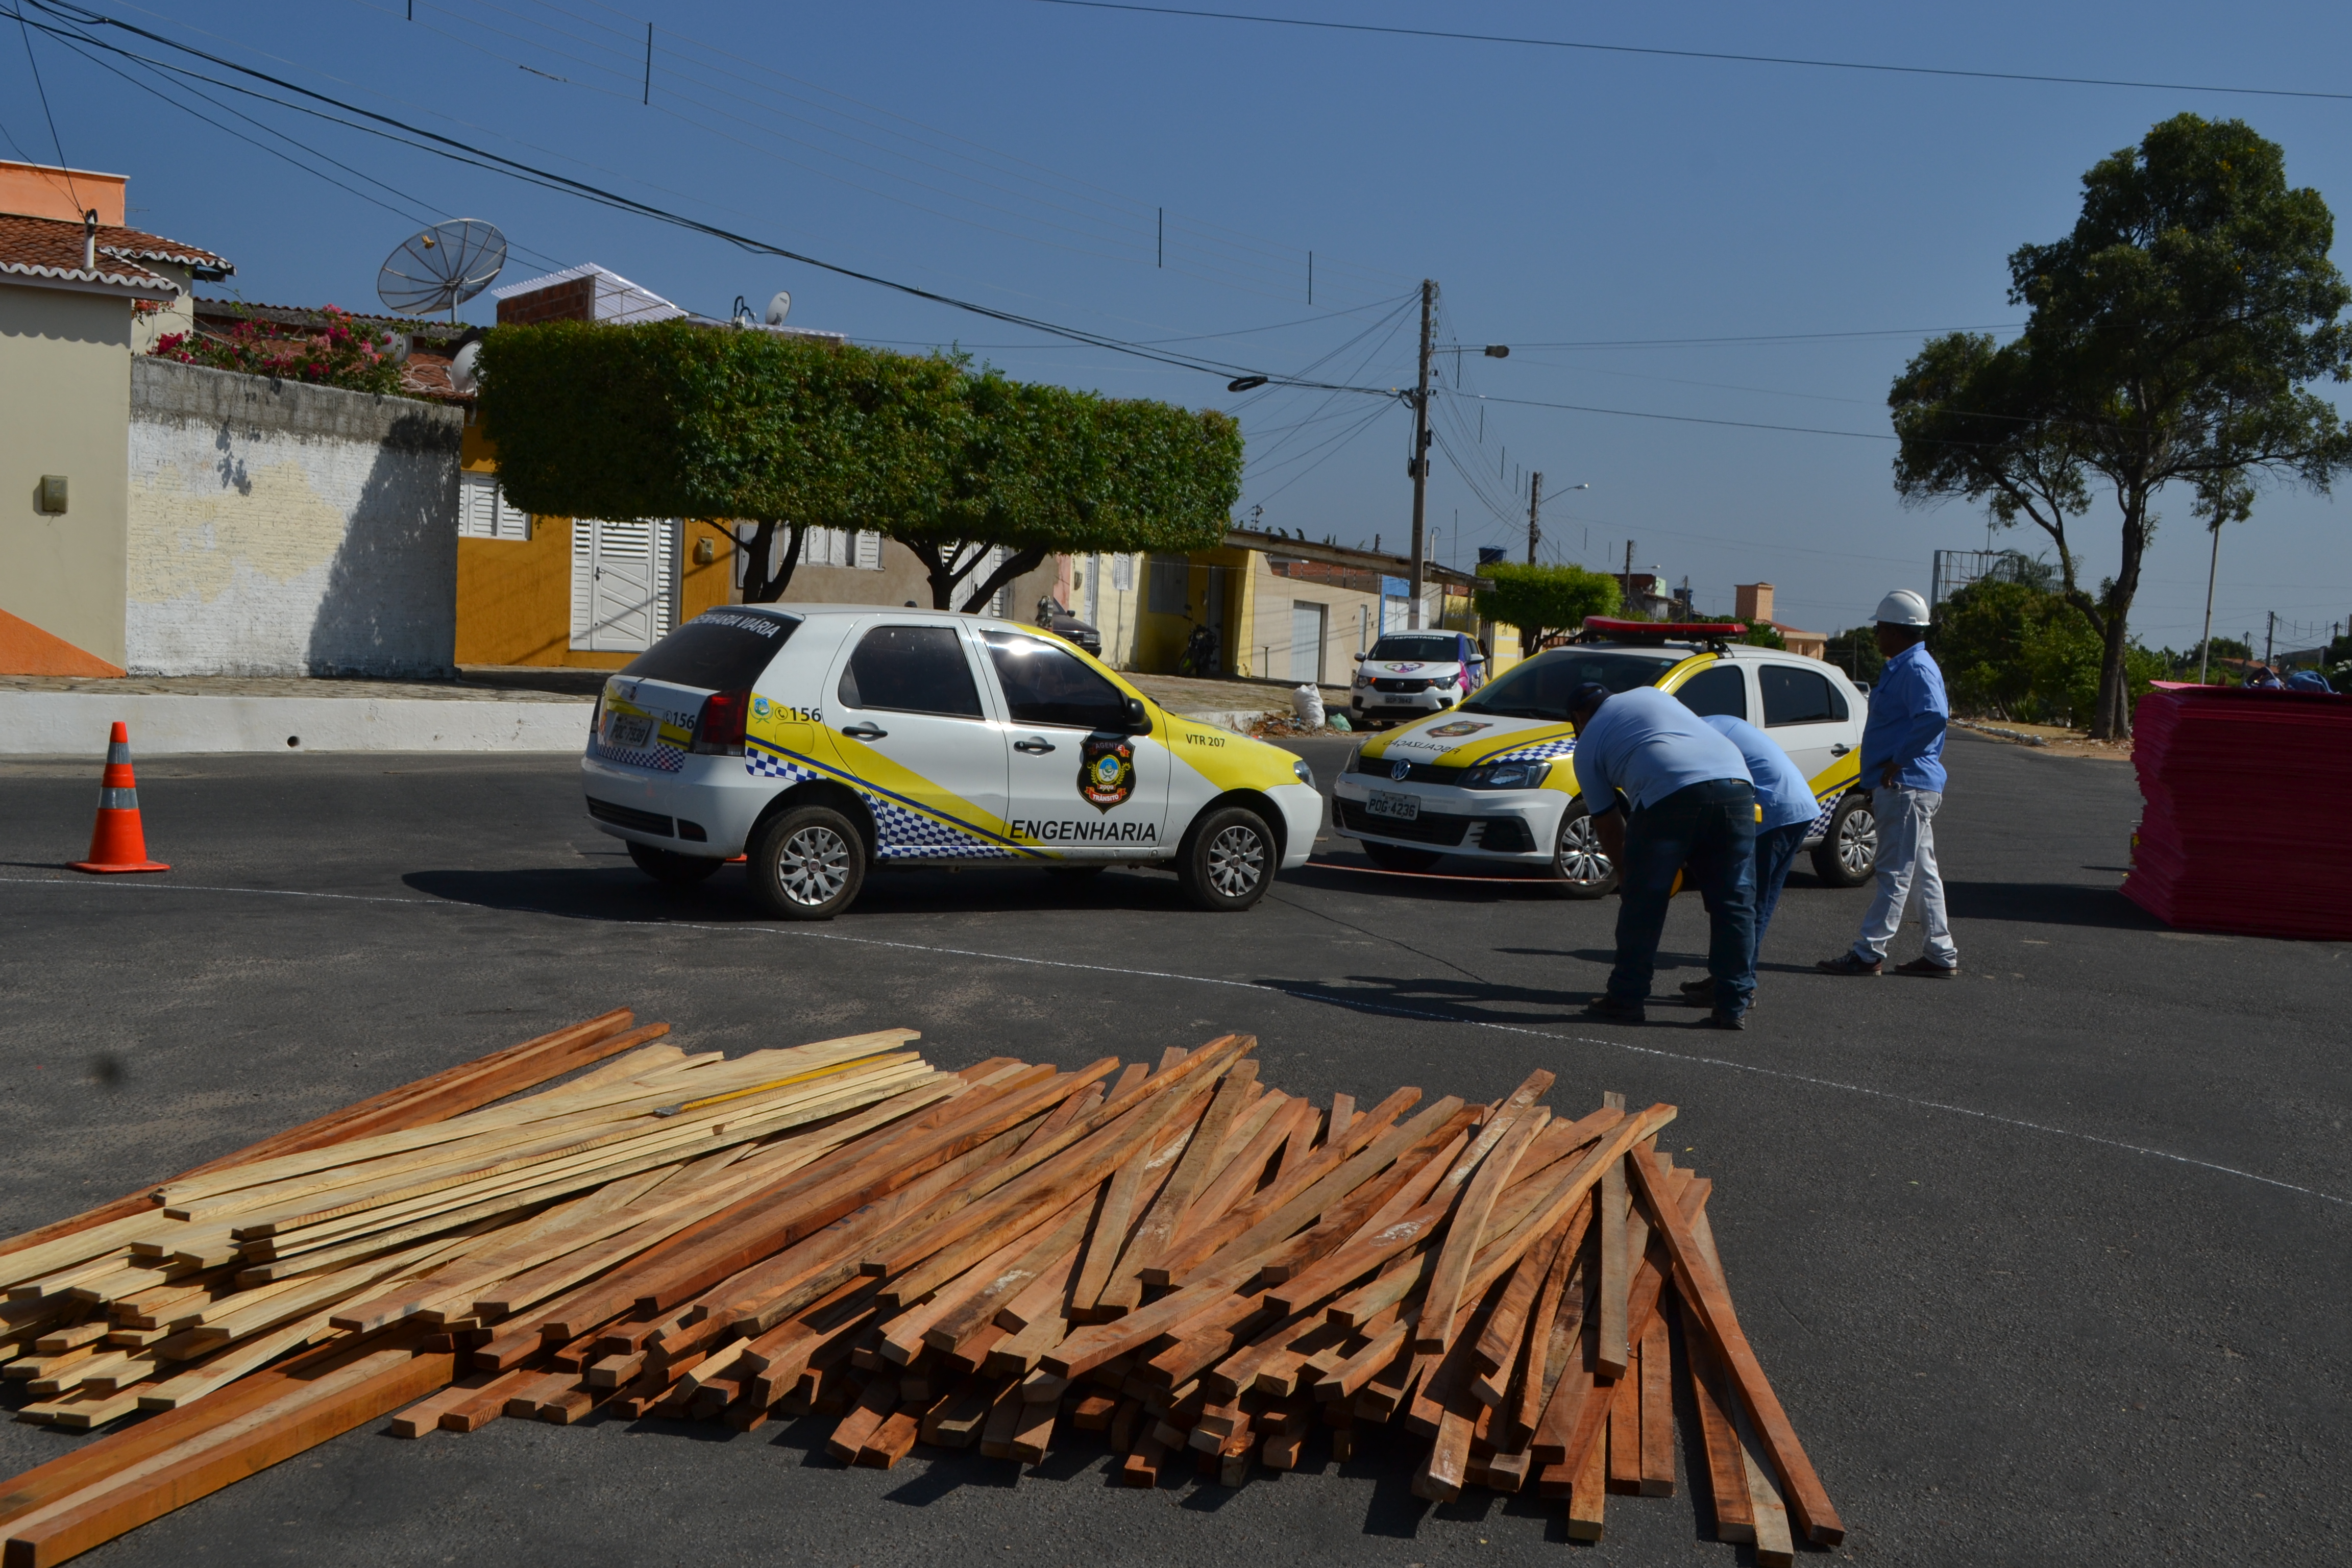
1297,995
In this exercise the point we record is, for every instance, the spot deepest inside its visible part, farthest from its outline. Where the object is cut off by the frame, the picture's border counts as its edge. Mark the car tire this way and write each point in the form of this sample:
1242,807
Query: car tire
1847,855
1228,860
671,869
1579,867
808,864
1396,858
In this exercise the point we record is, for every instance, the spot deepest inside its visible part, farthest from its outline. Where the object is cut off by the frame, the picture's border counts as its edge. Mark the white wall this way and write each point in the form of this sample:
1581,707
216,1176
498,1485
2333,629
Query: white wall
63,354
277,528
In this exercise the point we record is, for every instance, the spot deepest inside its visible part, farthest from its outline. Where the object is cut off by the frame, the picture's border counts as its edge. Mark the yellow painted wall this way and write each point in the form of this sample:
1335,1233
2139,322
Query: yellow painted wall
514,595
65,408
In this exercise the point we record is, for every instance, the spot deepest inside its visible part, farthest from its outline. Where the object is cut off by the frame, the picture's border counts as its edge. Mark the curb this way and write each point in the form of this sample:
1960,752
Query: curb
55,723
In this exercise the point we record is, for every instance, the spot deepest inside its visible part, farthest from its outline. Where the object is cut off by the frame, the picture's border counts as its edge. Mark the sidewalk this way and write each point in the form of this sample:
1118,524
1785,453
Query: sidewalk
485,709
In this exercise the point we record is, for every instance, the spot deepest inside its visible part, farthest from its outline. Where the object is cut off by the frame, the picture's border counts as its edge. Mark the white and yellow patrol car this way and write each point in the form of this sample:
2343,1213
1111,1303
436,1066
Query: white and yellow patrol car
822,740
1494,778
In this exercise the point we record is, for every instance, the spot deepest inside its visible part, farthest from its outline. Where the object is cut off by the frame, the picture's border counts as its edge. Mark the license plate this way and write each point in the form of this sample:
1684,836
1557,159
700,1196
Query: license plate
628,731
1396,808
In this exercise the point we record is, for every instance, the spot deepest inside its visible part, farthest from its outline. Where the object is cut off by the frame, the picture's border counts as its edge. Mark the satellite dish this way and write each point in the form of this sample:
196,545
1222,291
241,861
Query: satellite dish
442,268
779,308
463,375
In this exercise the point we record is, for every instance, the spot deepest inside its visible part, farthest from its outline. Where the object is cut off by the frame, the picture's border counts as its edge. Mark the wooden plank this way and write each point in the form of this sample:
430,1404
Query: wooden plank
1156,1232
1657,1465
306,1416
1774,1549
1611,1351
1697,1276
1467,1229
1727,1472
1589,1496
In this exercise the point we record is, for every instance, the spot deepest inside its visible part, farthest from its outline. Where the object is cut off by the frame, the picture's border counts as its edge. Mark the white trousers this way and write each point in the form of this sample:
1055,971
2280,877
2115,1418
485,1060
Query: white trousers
1906,854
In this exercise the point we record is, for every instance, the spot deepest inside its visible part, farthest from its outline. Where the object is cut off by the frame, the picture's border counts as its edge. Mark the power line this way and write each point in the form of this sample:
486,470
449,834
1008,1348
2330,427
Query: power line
1755,338
42,88
465,153
1685,418
1692,54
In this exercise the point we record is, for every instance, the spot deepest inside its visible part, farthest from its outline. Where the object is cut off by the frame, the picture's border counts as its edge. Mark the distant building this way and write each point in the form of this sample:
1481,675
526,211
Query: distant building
80,293
1753,603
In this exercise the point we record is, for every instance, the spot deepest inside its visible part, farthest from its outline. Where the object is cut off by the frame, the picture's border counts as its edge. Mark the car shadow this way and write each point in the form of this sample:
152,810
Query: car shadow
624,893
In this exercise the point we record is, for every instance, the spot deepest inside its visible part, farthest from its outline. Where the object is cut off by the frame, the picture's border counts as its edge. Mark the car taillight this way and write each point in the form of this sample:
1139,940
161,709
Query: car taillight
718,733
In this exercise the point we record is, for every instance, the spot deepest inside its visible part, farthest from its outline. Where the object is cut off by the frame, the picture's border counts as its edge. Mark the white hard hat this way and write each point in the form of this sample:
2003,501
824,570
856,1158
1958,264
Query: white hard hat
1902,608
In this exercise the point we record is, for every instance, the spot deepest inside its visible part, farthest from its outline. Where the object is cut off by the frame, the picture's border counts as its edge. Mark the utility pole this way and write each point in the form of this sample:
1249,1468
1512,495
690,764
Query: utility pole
2205,648
2270,635
1627,580
1534,528
1421,444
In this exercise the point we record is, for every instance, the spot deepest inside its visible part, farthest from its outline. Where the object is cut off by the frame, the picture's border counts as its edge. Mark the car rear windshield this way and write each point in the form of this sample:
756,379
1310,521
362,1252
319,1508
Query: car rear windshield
1441,649
719,650
1539,688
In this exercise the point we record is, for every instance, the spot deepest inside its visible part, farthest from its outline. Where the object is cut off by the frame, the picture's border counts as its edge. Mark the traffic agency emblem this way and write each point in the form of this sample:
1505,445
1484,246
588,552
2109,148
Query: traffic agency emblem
1107,770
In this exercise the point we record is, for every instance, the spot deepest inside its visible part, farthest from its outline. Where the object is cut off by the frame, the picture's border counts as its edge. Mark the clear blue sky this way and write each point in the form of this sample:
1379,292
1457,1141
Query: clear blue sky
1019,153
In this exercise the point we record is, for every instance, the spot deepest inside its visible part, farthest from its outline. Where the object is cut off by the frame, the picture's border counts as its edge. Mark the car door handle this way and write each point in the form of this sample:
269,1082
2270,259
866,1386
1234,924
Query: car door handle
1840,751
864,732
1033,746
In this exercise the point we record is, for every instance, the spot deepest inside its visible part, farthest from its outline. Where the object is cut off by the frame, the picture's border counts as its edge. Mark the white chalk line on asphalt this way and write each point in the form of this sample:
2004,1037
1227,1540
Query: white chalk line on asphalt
1294,994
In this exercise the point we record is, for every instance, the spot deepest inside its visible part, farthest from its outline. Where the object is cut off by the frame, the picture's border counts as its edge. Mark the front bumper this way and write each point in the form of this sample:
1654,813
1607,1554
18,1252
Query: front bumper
1364,703
1511,825
712,796
1301,805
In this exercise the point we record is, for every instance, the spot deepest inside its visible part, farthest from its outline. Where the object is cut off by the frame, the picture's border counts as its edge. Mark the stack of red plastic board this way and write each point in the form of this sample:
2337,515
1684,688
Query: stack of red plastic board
2246,828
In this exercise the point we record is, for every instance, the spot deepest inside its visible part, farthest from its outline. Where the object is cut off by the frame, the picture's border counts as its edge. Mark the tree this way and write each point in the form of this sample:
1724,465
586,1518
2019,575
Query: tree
1543,600
1856,651
1032,469
673,419
2170,339
1764,634
2018,651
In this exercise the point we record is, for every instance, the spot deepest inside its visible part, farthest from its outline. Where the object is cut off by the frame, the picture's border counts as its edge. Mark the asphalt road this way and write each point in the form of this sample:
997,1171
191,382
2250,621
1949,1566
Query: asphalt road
2049,1264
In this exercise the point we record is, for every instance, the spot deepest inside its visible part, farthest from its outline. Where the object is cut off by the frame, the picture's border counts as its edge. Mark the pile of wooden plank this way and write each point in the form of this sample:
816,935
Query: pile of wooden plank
1205,1273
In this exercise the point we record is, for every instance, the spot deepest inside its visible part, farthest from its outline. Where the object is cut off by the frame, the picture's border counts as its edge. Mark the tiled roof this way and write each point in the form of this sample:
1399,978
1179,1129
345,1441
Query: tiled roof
48,250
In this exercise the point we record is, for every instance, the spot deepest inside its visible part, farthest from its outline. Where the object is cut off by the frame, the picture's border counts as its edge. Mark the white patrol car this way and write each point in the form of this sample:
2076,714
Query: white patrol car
1495,779
1410,675
819,740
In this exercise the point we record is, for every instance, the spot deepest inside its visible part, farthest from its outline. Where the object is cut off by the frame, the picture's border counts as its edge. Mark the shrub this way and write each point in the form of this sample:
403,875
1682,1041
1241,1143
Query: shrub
344,351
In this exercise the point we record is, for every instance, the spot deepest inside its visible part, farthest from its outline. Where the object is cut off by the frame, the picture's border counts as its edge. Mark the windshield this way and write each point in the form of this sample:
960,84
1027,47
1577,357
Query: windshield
1441,649
1540,688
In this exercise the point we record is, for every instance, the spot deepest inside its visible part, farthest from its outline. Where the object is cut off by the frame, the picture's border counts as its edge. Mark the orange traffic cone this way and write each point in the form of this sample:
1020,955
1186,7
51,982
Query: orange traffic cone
118,843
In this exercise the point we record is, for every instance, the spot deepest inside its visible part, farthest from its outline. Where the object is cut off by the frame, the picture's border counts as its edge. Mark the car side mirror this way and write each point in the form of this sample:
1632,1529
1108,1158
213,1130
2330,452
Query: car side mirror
1138,718
1359,659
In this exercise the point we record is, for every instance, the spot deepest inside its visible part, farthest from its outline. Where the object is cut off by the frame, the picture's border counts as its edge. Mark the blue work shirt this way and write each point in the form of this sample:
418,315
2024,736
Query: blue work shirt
1649,745
1907,715
1781,788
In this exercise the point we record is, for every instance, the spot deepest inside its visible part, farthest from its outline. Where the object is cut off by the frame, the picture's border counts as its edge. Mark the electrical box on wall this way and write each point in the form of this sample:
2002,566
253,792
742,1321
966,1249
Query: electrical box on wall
52,495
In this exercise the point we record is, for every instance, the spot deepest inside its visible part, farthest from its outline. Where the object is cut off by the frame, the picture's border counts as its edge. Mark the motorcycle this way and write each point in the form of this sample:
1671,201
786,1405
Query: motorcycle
1200,655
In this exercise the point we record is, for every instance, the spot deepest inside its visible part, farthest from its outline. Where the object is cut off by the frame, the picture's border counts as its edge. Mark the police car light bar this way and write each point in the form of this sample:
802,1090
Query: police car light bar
1599,629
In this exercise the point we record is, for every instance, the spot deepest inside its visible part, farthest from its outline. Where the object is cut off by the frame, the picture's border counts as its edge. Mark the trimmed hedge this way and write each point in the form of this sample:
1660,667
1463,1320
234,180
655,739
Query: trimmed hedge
672,419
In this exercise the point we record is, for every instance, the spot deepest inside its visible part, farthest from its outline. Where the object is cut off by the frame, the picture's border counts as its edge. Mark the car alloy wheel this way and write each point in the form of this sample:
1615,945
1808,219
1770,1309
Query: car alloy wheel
1857,842
1237,862
1582,858
812,867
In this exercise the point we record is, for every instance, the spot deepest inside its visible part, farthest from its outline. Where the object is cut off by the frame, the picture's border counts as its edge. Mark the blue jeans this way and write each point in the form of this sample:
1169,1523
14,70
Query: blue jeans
1710,829
1776,851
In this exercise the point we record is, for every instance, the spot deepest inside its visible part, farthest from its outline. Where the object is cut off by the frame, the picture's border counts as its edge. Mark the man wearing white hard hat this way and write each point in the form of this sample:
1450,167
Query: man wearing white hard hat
1902,761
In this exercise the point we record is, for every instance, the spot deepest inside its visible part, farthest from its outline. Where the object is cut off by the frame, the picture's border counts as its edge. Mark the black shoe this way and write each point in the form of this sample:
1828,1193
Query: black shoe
1701,991
1849,963
1719,1019
1609,1010
1929,968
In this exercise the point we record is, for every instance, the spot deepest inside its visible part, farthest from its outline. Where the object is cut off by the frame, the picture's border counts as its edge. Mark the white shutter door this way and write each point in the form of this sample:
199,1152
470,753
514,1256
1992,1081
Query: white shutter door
627,594
583,580
510,520
870,551
667,543
475,506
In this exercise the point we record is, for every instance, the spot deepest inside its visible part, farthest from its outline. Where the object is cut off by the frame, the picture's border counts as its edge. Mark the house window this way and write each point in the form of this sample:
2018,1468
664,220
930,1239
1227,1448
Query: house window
1122,574
484,511
842,547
